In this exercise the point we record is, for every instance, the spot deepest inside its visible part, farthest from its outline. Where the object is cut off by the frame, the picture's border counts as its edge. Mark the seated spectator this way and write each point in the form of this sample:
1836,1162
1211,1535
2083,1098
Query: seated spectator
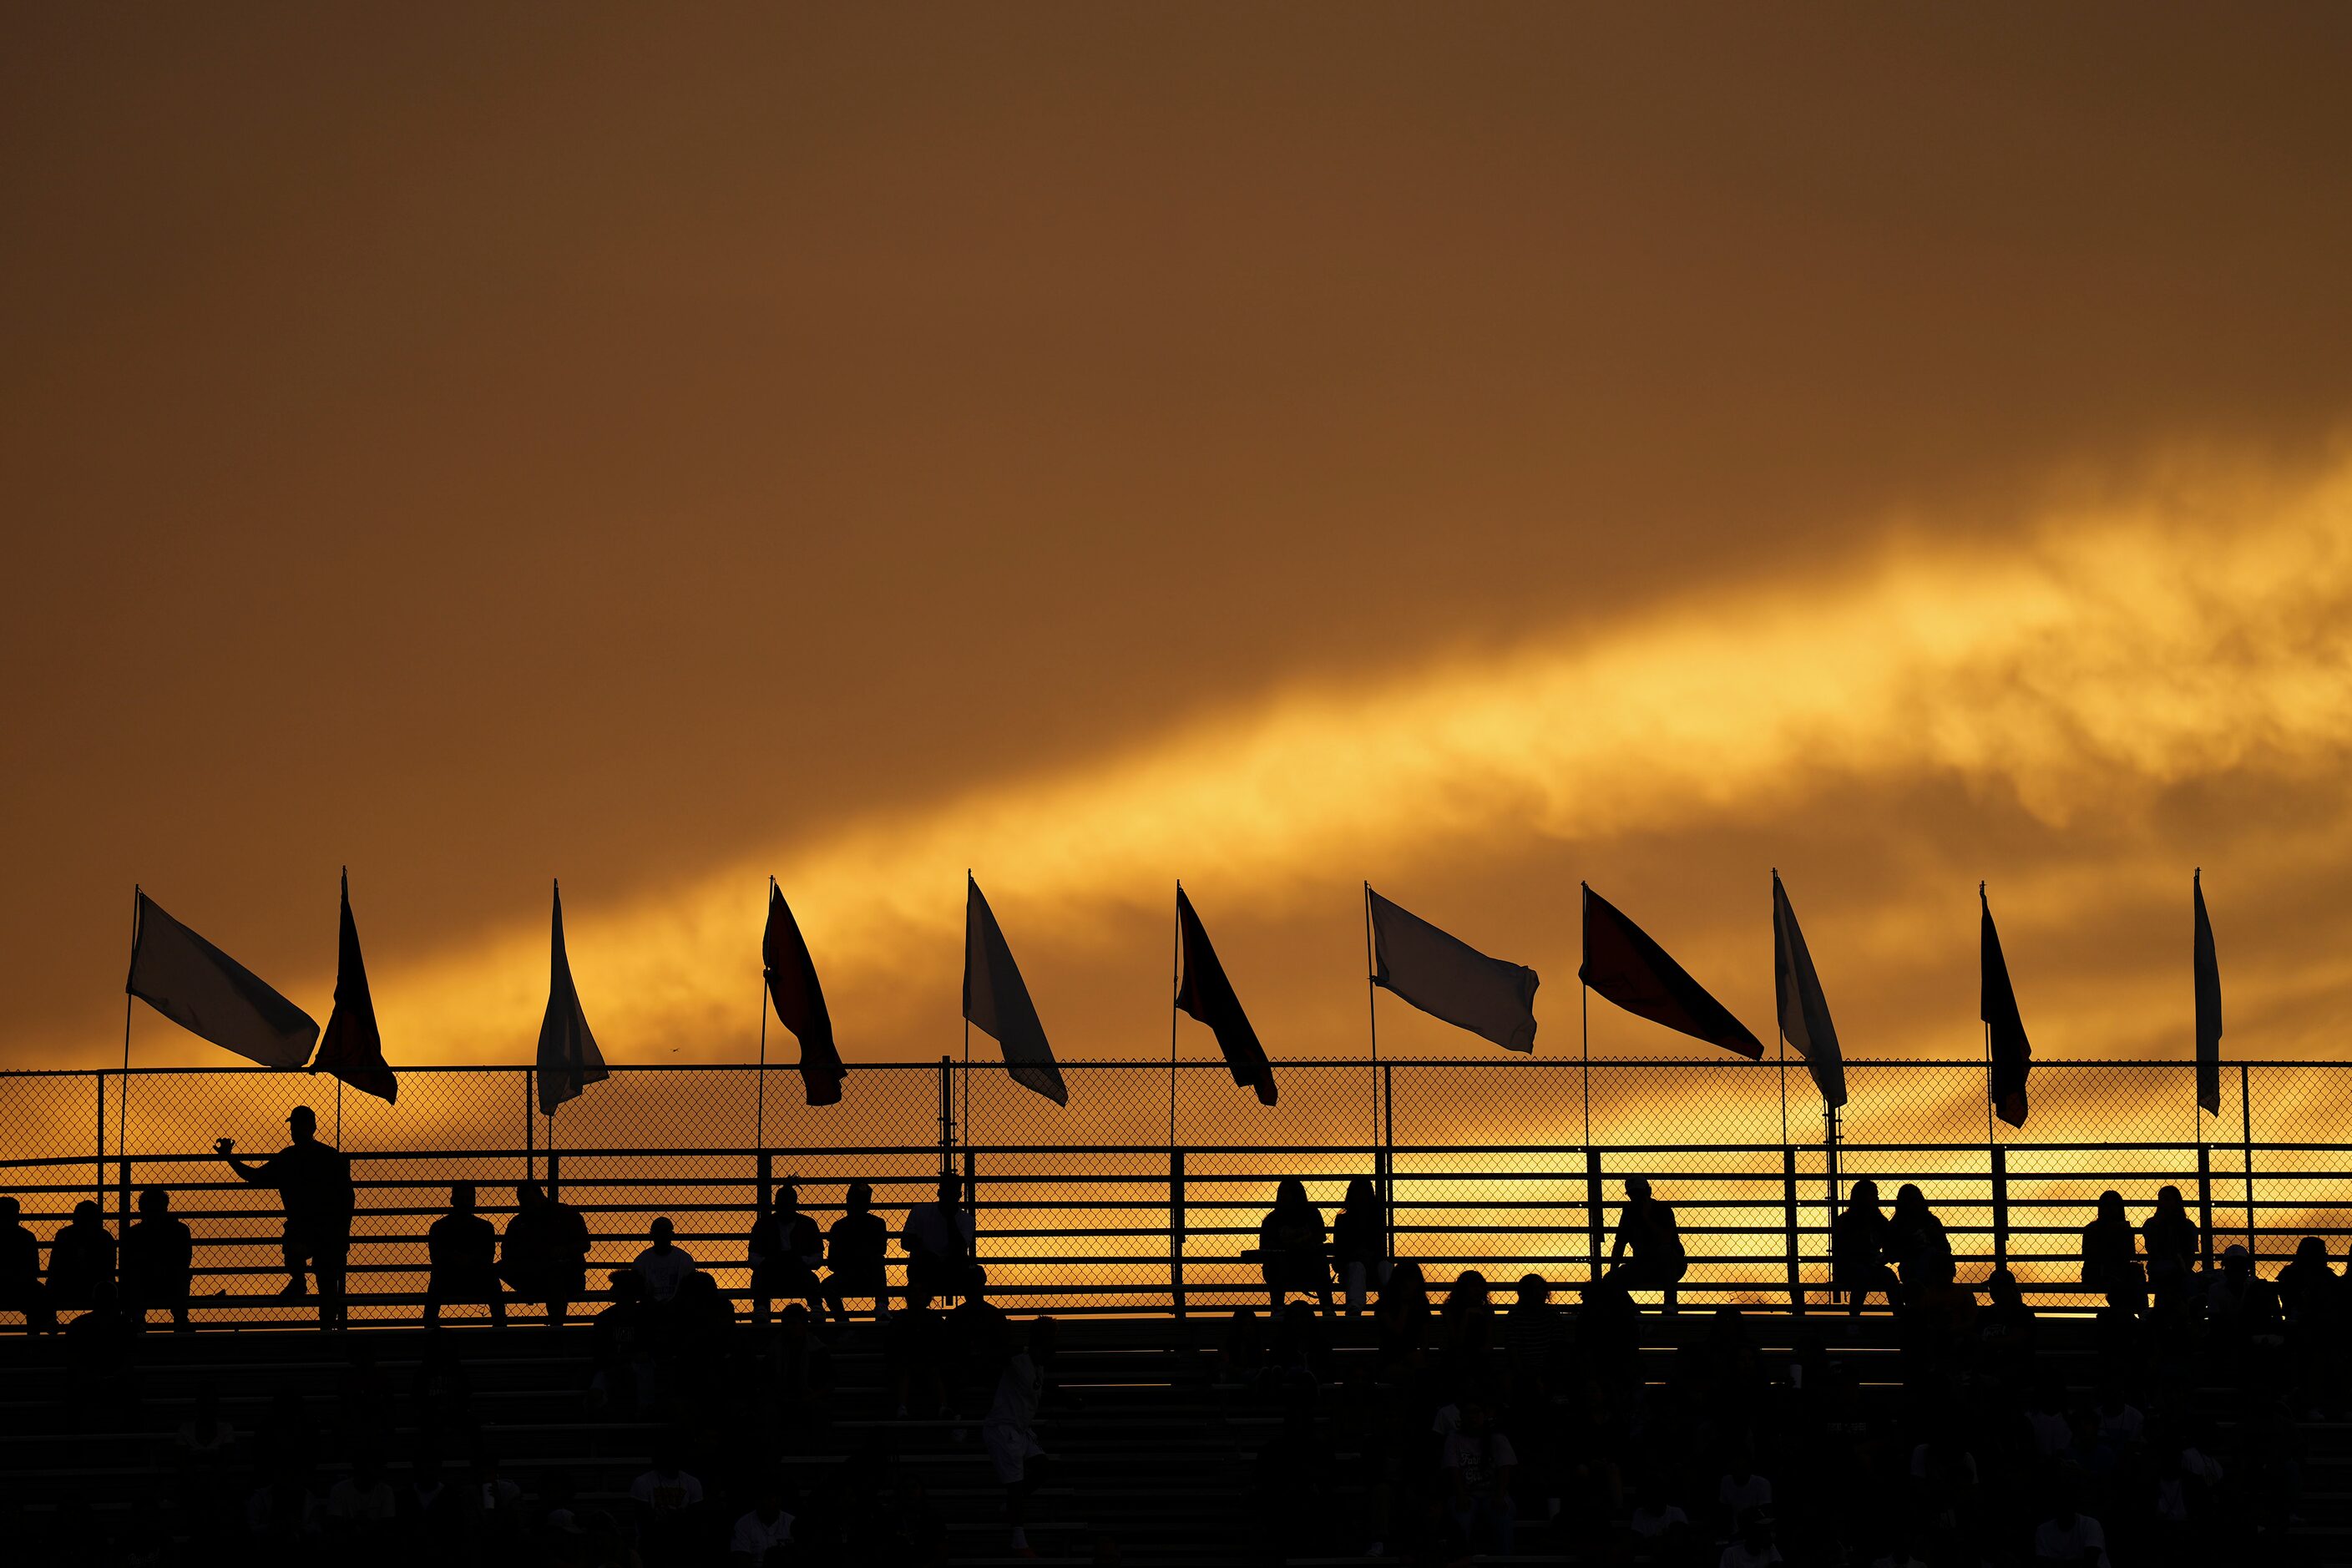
1009,1432
939,1241
1478,1462
21,1286
543,1255
2176,1248
1360,1243
1752,1547
2308,1289
81,1257
766,1529
1290,1249
662,1265
461,1251
2110,1252
433,1515
1402,1317
1647,1231
856,1249
1661,1529
2007,1331
666,1498
785,1250
1535,1338
362,1500
157,1260
1859,1240
2069,1535
1741,1492
1466,1323
915,1355
622,1345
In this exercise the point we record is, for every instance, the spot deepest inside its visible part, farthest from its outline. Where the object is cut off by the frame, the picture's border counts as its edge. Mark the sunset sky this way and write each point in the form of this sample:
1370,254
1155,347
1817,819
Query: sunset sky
1476,450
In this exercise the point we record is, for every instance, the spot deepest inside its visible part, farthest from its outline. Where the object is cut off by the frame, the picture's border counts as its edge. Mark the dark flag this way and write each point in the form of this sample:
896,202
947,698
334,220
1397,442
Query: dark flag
1447,978
1804,1010
353,1048
569,1060
2011,1058
2208,1004
1208,996
800,1001
996,1002
210,994
1626,967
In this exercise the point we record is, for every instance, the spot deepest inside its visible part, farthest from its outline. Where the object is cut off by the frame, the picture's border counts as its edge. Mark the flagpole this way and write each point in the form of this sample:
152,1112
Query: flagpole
1175,980
1781,1020
1988,1056
760,1098
122,1100
1372,1022
967,1022
1584,1015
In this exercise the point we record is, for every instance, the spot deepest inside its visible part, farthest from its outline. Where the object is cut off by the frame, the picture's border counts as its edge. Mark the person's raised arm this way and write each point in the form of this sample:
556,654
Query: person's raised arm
257,1174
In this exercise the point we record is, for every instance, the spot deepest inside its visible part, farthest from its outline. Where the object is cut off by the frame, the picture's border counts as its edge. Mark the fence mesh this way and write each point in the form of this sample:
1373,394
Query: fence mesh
1150,1185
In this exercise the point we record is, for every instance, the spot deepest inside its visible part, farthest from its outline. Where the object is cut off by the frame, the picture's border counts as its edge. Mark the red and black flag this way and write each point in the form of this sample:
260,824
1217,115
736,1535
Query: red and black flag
799,1001
1624,966
2209,1003
1205,993
2010,1059
353,1048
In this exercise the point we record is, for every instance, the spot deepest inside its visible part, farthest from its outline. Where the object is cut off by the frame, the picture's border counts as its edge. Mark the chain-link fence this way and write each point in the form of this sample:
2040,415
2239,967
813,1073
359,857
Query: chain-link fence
1145,1191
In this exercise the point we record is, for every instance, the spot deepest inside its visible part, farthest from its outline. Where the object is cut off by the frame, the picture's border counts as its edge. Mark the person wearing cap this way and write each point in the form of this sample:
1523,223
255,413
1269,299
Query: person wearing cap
313,1181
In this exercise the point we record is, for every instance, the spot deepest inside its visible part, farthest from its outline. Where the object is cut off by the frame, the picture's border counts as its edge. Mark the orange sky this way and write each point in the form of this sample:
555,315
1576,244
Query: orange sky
1476,450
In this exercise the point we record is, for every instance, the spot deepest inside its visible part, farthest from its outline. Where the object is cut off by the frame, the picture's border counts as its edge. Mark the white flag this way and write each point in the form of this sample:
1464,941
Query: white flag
1804,1010
1447,978
207,993
569,1060
997,1001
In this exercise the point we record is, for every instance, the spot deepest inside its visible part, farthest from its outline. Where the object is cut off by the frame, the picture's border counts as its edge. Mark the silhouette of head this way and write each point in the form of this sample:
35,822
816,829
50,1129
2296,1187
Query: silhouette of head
860,1197
1361,1194
2313,1250
1291,1196
788,1198
1864,1195
2168,1202
527,1194
86,1212
1534,1290
461,1197
1637,1187
1041,1337
2234,1259
949,1192
2110,1208
302,1121
1909,1201
663,1230
155,1202
10,1208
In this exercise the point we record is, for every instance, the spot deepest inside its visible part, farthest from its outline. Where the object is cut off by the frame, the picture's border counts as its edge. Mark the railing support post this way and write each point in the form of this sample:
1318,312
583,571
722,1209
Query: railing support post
1592,1215
971,1200
1789,1201
1384,1162
530,1124
767,1180
947,1120
99,1170
2205,1204
1176,1231
2000,1206
2246,1127
555,1174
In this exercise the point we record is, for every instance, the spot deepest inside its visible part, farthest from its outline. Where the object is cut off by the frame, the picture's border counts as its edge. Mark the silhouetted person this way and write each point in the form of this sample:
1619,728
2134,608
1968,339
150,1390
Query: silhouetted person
461,1251
21,1288
939,1241
1478,1462
2111,1251
2175,1249
1922,1250
1402,1317
98,1357
664,1265
313,1181
81,1260
1360,1243
668,1498
1534,1339
2308,1287
855,1253
1859,1240
2069,1535
1010,1430
783,1249
543,1256
767,1529
1290,1247
1646,1231
159,1256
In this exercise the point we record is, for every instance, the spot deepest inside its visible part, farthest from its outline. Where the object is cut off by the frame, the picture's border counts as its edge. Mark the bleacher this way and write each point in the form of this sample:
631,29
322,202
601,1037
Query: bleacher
1151,1451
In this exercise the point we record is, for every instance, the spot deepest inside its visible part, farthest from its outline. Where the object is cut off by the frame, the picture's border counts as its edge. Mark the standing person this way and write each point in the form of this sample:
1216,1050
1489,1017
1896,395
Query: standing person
662,1265
461,1248
1290,1249
81,1260
313,1181
21,1290
1360,1243
159,1257
855,1248
2175,1249
1923,1250
543,1255
784,1248
1859,1240
1647,1229
939,1240
1011,1430
2111,1253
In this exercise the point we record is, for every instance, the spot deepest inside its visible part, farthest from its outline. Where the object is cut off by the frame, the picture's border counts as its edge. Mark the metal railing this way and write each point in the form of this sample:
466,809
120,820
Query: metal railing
1481,1162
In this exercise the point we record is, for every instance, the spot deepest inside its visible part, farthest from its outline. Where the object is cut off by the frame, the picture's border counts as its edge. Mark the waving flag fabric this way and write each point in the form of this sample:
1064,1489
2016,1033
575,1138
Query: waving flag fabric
569,1060
353,1048
1205,993
799,1001
212,995
2209,1003
2010,1055
1624,966
996,1001
1447,978
1805,1011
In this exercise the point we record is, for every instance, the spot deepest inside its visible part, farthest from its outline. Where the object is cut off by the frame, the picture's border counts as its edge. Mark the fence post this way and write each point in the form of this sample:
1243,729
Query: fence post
2000,1206
947,1121
554,1175
767,1180
1385,1160
2246,1126
2205,1202
1788,1197
972,1196
1176,1230
530,1124
1592,1216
